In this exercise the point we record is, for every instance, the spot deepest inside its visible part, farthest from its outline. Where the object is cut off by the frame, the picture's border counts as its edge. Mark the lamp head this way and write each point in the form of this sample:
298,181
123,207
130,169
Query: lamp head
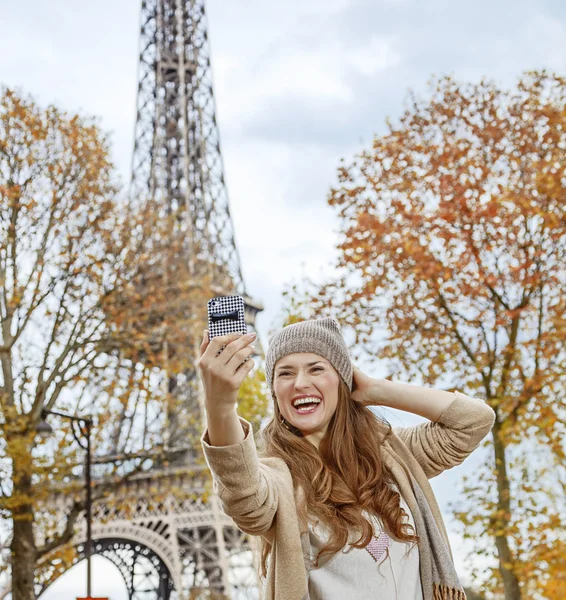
43,429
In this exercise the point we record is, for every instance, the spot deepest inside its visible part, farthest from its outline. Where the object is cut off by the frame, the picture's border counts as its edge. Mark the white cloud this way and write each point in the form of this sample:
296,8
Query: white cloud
313,73
320,77
320,72
279,227
379,53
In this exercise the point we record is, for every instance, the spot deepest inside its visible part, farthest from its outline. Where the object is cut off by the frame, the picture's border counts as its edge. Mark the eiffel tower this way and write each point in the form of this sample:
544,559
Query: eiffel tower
176,548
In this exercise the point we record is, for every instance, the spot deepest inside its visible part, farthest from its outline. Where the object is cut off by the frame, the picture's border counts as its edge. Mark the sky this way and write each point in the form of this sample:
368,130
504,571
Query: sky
299,85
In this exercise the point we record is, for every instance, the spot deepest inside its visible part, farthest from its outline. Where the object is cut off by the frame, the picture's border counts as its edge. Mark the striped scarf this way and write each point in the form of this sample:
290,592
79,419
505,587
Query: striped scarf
438,574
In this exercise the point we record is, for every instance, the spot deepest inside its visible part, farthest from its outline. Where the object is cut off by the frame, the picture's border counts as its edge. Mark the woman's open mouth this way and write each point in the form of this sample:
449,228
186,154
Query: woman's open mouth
306,405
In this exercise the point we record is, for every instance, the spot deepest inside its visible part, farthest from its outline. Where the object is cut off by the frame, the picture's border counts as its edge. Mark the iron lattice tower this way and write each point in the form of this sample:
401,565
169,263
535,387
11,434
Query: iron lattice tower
177,158
177,161
168,549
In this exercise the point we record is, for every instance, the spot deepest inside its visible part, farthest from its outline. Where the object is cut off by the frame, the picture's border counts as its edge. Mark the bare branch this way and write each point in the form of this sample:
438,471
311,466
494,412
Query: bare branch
68,532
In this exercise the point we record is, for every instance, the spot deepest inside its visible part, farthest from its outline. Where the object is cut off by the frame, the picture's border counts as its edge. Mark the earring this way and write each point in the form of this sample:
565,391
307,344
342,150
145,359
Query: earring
290,428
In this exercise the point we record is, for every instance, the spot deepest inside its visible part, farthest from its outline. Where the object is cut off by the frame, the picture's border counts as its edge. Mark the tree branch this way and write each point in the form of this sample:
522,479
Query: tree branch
67,534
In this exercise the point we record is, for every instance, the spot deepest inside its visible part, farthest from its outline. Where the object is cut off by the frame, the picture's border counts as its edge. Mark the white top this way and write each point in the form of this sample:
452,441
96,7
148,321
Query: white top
387,568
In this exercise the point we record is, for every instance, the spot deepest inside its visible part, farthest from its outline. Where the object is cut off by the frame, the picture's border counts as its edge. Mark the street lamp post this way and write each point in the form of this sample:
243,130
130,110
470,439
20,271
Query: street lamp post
44,430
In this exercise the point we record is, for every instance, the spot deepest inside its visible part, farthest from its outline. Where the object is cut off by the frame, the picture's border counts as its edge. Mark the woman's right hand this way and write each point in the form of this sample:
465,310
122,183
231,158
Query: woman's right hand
224,363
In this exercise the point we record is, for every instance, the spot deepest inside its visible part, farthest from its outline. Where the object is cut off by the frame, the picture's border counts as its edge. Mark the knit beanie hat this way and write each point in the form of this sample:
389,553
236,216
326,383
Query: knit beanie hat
319,336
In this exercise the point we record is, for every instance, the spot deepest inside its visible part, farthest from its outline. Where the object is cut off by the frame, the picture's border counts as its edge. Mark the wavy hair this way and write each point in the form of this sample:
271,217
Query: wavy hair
343,478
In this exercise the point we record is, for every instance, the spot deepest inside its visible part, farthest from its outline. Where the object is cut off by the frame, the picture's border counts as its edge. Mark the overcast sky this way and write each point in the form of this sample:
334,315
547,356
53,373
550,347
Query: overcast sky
299,84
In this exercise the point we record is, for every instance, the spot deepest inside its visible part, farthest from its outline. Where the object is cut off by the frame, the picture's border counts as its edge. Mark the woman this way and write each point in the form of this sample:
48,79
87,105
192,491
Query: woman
340,500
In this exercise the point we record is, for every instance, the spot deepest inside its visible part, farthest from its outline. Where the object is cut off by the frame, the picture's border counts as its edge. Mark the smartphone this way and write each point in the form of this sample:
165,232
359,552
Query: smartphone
225,316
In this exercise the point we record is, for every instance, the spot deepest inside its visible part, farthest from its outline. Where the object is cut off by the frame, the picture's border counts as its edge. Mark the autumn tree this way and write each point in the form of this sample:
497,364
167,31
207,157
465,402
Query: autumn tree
452,268
101,313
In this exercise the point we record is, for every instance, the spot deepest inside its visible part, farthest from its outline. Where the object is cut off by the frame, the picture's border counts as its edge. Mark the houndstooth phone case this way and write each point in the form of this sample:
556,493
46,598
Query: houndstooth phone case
226,315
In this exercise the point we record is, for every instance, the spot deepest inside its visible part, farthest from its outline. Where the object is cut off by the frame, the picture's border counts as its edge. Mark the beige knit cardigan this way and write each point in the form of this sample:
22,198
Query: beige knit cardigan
259,495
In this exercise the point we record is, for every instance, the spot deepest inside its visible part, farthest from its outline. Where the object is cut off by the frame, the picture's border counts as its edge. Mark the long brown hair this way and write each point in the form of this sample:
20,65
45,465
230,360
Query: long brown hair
344,477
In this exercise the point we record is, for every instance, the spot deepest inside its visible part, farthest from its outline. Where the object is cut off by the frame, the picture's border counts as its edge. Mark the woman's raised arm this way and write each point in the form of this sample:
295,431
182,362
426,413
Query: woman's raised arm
457,424
247,490
224,363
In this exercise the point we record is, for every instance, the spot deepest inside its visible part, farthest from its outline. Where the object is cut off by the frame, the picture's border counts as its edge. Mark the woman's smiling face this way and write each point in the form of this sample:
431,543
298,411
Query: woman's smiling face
306,388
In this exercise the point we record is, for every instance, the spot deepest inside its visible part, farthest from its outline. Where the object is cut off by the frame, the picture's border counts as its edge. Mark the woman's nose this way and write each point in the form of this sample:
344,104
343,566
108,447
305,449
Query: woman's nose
301,381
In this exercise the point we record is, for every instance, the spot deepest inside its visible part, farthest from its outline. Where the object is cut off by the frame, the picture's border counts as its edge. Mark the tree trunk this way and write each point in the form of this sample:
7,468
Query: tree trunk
23,550
511,586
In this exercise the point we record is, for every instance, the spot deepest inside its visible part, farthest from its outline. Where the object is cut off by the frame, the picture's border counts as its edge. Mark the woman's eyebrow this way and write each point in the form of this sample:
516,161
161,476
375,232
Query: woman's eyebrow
308,365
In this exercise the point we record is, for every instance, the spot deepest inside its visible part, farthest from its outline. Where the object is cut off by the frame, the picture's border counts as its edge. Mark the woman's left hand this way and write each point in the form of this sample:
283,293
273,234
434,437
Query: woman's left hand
363,386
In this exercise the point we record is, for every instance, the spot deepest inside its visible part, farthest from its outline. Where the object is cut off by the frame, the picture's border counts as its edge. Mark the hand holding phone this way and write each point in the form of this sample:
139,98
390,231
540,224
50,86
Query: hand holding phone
226,353
224,364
